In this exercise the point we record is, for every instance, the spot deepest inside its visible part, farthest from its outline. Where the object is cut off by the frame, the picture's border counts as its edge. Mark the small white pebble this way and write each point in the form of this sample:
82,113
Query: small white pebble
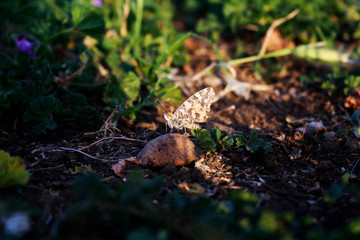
311,202
262,180
17,224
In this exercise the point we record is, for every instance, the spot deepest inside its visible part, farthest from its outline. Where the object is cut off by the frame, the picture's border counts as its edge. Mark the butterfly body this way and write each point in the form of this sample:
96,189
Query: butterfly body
194,110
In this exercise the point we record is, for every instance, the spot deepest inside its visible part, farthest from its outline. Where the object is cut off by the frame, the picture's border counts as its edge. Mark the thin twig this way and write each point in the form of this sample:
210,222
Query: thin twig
76,150
107,138
45,169
355,166
180,80
66,80
248,86
271,29
108,125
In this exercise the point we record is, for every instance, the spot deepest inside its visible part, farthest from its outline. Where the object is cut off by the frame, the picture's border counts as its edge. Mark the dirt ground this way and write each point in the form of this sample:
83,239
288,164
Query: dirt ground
301,165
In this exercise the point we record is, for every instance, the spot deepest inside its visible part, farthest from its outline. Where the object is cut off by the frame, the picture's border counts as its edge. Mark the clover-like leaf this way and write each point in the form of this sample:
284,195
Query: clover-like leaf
29,92
203,139
240,140
85,117
39,114
171,93
174,47
12,170
256,144
75,99
228,141
124,91
87,21
215,134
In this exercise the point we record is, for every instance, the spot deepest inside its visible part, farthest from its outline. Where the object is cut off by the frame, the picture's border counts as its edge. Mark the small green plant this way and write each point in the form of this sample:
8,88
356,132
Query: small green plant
336,190
343,83
203,139
352,83
78,113
39,114
12,170
222,139
219,140
254,144
174,216
151,71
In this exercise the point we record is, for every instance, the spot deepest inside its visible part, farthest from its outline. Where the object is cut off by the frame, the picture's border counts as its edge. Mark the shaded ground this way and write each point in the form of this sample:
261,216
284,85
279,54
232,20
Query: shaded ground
299,168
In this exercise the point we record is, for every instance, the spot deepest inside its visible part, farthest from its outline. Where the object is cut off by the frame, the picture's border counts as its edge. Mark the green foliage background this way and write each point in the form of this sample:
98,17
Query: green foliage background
136,60
71,34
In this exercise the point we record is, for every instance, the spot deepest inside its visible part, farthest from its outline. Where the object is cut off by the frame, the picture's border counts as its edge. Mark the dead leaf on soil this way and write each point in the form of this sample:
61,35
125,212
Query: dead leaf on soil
193,189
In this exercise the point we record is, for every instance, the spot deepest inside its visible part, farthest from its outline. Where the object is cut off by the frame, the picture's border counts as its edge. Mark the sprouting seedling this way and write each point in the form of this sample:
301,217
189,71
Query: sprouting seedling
356,122
219,140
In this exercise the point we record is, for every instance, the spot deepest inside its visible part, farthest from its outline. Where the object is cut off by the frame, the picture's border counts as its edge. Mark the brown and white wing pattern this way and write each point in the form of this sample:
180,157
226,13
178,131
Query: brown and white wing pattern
193,110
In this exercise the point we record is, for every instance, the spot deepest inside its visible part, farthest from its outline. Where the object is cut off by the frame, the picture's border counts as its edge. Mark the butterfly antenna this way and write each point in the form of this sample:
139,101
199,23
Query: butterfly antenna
159,103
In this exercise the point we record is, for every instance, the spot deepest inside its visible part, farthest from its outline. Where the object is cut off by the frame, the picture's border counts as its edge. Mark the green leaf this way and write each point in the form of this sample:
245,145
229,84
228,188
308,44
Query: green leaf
84,117
215,134
79,114
342,132
334,193
175,46
75,99
351,84
39,114
171,94
29,92
228,141
202,135
124,91
130,86
87,21
240,140
12,170
208,144
253,137
203,139
178,43
256,144
60,14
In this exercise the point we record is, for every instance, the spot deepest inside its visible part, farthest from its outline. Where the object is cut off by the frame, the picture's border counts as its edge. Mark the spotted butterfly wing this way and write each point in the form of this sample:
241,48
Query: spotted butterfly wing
193,110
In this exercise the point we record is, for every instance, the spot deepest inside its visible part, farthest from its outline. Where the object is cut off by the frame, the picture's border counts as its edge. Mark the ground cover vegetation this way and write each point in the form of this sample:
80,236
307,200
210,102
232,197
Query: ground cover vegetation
84,84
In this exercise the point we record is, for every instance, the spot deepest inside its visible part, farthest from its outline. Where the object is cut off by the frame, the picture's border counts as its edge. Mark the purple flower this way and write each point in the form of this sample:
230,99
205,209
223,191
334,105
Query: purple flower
25,46
97,3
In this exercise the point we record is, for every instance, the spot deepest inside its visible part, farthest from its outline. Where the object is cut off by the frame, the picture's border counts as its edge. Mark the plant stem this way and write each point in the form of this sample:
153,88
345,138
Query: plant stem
279,53
61,32
139,17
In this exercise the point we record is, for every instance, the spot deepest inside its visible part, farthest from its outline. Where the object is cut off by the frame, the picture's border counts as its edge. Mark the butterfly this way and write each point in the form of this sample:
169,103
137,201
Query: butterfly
194,110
